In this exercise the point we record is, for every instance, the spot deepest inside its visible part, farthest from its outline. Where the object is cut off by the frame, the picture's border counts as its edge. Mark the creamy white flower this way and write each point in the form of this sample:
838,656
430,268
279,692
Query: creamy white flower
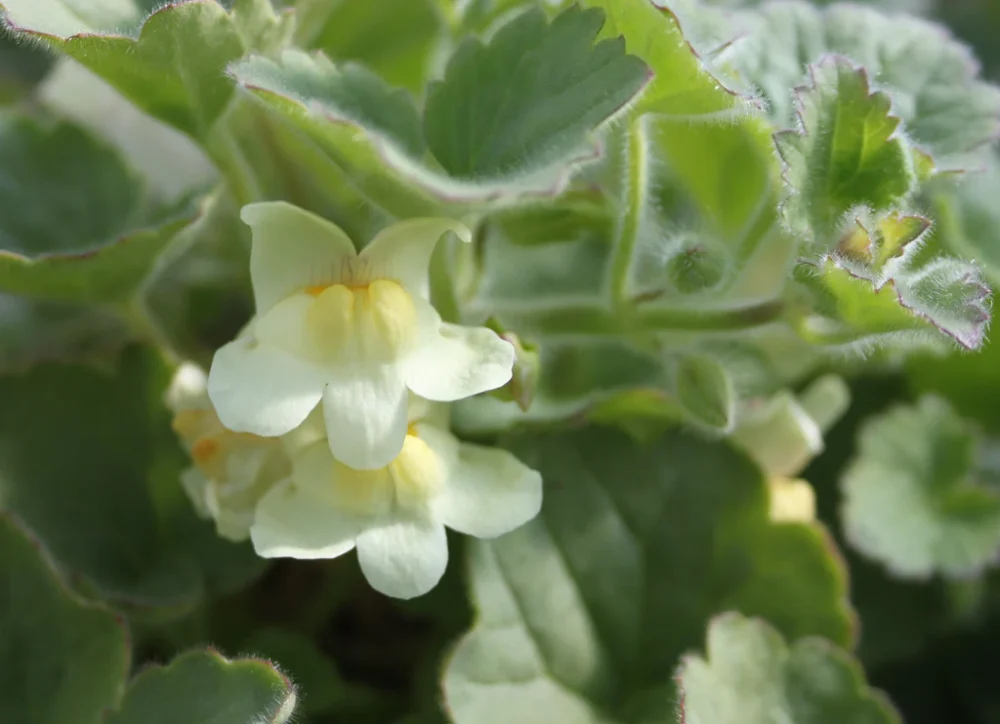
353,331
396,515
231,470
783,434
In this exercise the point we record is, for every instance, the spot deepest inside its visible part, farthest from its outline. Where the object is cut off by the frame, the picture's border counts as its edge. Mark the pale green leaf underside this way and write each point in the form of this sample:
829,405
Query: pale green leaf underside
751,676
202,687
64,660
912,498
584,613
75,222
931,78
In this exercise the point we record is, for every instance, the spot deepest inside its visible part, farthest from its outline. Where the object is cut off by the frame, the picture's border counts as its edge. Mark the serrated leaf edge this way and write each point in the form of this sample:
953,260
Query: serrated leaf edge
800,130
444,188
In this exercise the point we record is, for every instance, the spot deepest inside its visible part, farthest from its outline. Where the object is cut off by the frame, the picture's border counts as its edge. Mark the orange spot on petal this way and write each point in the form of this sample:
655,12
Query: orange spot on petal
316,289
204,449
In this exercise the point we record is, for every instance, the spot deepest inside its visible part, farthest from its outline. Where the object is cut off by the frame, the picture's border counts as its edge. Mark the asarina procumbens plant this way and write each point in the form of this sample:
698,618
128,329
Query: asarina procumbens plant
498,362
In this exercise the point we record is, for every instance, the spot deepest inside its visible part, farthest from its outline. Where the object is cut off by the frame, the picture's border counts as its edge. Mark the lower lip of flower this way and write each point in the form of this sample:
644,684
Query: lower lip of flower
374,321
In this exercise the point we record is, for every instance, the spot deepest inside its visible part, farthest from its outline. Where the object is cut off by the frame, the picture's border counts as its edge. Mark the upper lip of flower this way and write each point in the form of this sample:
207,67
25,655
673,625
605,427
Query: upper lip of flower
358,345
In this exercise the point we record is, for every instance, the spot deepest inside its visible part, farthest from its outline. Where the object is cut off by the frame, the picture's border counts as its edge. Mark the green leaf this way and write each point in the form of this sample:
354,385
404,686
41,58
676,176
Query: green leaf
201,297
396,40
968,217
367,130
22,67
932,79
681,86
913,497
33,331
597,378
873,244
109,505
529,97
714,157
970,382
315,676
751,676
353,90
585,612
170,64
64,659
944,297
75,224
847,154
203,687
705,392
576,214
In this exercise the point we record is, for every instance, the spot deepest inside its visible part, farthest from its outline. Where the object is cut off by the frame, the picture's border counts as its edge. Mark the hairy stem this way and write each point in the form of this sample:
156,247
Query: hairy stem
594,318
633,201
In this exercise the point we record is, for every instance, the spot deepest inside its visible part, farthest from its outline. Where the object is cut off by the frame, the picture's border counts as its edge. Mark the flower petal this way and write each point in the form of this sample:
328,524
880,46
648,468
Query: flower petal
293,521
195,484
365,413
458,362
490,492
260,389
187,388
292,249
404,558
358,493
285,325
402,252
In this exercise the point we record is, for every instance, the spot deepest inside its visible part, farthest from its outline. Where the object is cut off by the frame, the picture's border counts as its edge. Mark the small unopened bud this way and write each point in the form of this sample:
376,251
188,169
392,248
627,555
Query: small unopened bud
705,392
527,367
695,268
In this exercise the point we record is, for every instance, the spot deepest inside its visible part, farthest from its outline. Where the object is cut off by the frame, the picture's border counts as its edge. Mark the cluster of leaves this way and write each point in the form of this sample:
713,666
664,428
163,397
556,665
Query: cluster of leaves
693,219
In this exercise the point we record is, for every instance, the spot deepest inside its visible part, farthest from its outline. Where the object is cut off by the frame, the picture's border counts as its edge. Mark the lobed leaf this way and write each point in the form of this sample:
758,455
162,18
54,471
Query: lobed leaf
751,676
847,154
367,130
76,223
64,659
584,612
90,463
203,687
529,97
947,111
943,297
913,498
170,63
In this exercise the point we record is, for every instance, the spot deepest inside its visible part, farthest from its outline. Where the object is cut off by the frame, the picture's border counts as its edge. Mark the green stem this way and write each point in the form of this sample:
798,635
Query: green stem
225,152
634,200
442,283
589,318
